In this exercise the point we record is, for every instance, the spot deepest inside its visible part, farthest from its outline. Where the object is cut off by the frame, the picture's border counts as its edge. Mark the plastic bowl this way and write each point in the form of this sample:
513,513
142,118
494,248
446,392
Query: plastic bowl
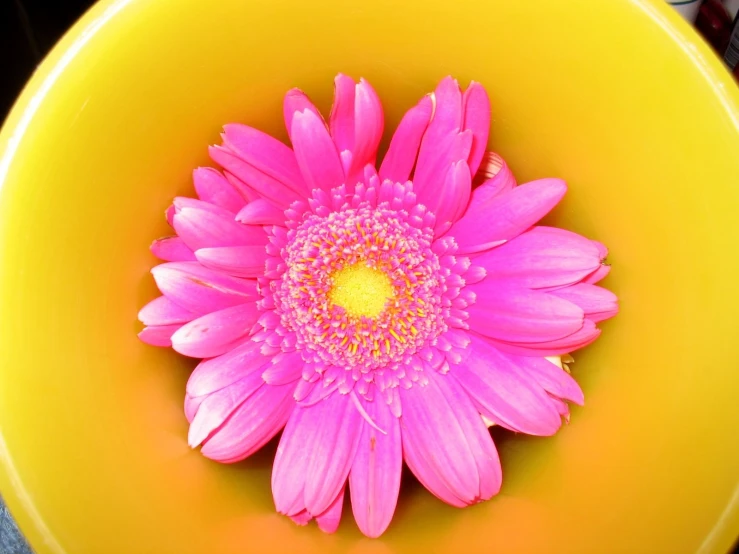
619,97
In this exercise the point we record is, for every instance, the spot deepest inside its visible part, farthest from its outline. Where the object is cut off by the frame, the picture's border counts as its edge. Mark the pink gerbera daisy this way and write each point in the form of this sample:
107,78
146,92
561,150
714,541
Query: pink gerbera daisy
378,316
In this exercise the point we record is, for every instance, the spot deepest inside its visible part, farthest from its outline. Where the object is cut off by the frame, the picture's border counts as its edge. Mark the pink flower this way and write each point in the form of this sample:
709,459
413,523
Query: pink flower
374,315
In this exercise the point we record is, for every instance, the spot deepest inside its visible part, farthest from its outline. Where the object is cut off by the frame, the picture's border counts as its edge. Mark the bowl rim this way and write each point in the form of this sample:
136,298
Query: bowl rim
19,501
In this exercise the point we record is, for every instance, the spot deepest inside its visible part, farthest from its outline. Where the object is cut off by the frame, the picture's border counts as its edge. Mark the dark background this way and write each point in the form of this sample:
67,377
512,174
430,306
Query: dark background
28,30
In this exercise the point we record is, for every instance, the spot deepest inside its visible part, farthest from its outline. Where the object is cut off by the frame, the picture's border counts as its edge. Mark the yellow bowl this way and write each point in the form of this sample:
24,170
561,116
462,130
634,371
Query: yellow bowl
619,97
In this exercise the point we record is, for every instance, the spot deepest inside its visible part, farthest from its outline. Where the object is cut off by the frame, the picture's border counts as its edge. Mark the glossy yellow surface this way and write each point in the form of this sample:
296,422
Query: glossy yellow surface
619,97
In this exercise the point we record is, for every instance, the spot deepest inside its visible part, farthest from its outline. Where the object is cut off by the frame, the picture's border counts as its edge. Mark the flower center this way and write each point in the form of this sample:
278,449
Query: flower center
357,283
361,290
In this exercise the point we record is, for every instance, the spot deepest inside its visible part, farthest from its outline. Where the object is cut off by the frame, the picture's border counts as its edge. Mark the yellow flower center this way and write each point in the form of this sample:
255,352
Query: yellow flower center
361,290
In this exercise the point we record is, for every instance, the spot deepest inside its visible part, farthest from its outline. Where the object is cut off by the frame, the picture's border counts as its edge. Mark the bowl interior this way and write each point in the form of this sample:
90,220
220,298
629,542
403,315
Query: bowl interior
617,97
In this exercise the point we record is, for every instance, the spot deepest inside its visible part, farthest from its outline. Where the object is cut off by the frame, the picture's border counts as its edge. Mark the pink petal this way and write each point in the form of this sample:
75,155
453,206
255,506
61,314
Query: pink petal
542,257
495,173
172,249
181,202
551,378
369,123
158,335
217,332
328,521
428,178
476,119
313,393
192,403
285,368
356,124
202,290
428,476
214,410
580,339
452,197
505,216
602,249
162,311
516,314
297,101
597,303
263,184
303,389
169,215
218,373
483,196
561,406
374,481
240,261
341,120
288,471
335,444
261,212
448,115
315,454
251,425
445,443
598,275
266,154
446,123
315,151
213,187
302,517
503,393
202,229
347,159
403,150
245,190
